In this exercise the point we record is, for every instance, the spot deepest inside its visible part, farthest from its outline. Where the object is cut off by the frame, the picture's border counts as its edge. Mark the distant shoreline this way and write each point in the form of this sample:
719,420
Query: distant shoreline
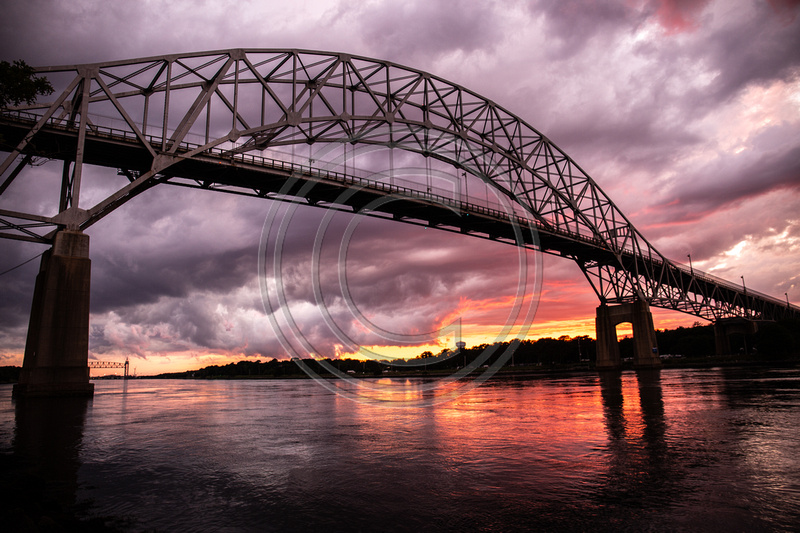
10,374
526,371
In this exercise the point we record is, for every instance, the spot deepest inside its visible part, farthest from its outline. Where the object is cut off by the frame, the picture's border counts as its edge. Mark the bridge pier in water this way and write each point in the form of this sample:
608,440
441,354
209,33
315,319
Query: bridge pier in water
57,346
644,335
724,328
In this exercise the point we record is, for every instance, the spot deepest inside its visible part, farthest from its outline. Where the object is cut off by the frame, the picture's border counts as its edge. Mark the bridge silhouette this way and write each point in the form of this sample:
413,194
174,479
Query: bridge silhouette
111,364
223,121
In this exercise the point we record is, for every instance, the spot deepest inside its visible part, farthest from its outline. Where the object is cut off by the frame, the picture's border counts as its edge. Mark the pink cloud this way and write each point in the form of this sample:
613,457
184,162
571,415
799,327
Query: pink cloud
679,16
695,139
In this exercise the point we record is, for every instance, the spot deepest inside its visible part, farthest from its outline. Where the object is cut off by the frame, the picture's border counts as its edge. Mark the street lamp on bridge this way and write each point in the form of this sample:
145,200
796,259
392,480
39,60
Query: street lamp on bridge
744,288
746,313
690,264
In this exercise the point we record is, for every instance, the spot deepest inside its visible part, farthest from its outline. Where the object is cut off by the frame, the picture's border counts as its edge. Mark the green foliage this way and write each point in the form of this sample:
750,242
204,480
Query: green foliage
9,374
697,341
19,84
773,341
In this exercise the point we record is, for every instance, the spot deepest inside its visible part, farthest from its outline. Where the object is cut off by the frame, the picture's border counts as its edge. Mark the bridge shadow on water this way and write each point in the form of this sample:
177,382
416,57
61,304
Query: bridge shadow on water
40,476
655,450
639,470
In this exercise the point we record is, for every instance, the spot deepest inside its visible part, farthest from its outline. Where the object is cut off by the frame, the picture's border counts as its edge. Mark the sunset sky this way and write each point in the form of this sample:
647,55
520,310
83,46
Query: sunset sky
687,114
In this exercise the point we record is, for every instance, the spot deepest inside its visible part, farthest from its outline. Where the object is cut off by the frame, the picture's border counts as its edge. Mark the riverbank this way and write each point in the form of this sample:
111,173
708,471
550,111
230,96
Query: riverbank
290,370
517,371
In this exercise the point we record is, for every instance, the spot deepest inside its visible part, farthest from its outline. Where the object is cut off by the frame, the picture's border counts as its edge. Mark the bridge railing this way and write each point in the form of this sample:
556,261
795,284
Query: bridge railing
228,154
710,278
720,282
352,178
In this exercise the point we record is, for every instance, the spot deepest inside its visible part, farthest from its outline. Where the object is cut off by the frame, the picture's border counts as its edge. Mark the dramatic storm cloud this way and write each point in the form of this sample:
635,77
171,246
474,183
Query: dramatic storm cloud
687,113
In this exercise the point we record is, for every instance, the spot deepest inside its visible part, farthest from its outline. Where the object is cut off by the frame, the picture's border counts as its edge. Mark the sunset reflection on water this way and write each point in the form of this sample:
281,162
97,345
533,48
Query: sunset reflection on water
662,450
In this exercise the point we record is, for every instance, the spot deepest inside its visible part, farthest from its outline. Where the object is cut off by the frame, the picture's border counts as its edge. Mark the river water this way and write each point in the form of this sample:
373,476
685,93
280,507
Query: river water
695,450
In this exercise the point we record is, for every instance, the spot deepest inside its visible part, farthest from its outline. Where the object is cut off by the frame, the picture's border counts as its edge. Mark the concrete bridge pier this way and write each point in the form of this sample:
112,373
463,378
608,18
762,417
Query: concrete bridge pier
57,346
724,328
644,335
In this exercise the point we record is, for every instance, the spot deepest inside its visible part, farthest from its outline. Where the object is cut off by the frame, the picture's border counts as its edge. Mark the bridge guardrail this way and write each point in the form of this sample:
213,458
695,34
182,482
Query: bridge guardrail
352,179
278,164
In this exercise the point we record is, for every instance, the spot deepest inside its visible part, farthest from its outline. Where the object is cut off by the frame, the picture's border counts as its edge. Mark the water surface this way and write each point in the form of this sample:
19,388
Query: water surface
676,450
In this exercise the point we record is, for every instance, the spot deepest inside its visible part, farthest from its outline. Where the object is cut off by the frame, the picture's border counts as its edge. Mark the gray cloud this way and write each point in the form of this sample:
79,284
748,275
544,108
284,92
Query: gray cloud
753,50
424,30
404,279
636,93
572,24
732,181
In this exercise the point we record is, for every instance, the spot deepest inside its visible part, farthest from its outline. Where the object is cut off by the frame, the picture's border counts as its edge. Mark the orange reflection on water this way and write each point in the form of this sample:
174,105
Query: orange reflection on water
629,451
537,435
511,427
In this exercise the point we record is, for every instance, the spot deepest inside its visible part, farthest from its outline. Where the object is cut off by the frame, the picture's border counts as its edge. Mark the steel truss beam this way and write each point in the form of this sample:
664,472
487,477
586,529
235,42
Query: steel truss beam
164,117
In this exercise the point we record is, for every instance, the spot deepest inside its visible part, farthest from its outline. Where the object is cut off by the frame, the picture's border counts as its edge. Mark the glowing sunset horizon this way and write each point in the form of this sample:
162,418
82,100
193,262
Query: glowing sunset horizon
693,132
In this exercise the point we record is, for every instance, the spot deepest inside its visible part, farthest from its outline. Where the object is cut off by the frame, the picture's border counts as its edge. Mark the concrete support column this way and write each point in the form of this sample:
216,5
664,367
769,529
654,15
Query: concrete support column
607,347
57,346
725,327
644,336
721,341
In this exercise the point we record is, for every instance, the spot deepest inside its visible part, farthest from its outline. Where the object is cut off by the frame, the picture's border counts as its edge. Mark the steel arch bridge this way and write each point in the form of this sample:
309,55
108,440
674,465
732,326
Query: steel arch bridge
211,119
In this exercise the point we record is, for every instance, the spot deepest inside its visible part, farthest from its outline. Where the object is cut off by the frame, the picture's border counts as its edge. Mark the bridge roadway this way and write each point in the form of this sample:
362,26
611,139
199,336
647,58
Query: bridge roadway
247,174
245,101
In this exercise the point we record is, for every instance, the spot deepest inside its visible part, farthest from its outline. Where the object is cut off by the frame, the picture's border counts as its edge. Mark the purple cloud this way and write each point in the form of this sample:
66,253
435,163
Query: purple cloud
684,112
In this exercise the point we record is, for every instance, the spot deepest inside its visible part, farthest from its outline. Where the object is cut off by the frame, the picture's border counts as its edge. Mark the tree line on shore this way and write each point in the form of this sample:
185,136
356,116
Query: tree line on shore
773,341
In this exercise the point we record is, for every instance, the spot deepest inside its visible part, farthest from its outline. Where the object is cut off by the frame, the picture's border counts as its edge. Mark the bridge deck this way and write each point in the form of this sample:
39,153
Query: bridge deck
247,174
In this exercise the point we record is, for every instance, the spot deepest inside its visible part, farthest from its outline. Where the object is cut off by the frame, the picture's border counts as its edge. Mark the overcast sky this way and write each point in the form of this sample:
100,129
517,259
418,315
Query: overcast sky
687,113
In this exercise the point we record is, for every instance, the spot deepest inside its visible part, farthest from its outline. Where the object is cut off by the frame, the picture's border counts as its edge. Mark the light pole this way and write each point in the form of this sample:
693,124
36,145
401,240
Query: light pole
744,287
690,264
787,299
460,347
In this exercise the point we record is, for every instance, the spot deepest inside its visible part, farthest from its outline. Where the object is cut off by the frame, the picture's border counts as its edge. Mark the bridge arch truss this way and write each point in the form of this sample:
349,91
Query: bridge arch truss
159,118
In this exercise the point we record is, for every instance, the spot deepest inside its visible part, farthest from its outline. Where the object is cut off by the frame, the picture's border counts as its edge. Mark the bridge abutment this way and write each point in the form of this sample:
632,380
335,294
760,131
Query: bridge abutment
644,335
57,346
